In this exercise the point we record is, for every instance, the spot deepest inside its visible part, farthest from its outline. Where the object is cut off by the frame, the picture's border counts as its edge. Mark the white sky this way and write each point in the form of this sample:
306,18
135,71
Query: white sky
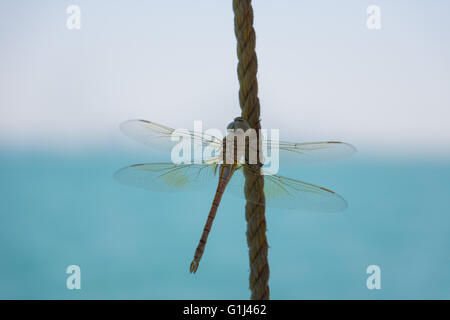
322,74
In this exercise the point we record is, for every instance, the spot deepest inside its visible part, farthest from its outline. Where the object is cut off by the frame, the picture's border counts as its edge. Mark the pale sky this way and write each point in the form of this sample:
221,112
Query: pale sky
322,74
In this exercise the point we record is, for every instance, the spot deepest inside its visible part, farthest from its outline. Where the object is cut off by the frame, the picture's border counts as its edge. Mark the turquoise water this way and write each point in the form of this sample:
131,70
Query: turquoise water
61,209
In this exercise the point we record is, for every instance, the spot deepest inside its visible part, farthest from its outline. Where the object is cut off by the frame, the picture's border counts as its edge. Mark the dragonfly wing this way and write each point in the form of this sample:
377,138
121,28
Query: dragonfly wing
308,152
287,193
160,137
169,177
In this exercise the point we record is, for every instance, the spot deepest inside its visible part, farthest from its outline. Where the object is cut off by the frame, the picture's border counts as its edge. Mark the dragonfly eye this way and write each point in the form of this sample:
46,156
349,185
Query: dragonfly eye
239,123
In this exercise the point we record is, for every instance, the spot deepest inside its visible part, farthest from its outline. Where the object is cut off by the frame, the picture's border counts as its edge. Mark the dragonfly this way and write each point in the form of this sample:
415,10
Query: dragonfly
280,191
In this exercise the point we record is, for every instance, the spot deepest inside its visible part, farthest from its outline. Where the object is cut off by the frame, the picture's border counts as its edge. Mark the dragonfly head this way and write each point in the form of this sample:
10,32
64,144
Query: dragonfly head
239,123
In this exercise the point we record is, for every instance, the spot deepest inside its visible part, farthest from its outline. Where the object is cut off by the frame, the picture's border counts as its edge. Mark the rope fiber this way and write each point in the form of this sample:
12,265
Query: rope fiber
254,185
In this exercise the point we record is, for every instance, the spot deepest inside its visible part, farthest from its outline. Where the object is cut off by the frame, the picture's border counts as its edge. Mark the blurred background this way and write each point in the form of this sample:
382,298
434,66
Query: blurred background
323,75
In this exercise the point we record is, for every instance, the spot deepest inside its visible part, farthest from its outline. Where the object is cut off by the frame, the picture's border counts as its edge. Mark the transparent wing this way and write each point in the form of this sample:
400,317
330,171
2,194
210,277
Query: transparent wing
280,192
159,137
169,177
308,152
287,193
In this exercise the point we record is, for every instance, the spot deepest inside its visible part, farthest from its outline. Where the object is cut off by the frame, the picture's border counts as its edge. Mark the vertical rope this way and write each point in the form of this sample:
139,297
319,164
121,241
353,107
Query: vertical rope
254,185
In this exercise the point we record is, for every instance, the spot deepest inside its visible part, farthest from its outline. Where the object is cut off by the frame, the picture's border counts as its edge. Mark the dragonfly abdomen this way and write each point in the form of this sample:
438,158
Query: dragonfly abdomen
226,172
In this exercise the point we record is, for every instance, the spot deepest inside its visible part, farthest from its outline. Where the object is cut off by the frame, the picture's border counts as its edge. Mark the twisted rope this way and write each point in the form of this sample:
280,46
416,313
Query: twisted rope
254,185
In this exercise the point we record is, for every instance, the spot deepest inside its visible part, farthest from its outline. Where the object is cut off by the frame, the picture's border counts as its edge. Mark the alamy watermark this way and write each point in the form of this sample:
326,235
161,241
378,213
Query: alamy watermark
374,19
374,280
240,145
74,19
74,280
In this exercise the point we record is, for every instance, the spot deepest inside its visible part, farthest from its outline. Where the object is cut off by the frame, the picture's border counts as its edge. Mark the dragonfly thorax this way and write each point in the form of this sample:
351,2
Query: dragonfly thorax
240,143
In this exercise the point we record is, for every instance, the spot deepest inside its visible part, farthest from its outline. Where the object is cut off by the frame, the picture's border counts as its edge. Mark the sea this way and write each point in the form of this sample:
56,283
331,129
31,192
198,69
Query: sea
59,209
